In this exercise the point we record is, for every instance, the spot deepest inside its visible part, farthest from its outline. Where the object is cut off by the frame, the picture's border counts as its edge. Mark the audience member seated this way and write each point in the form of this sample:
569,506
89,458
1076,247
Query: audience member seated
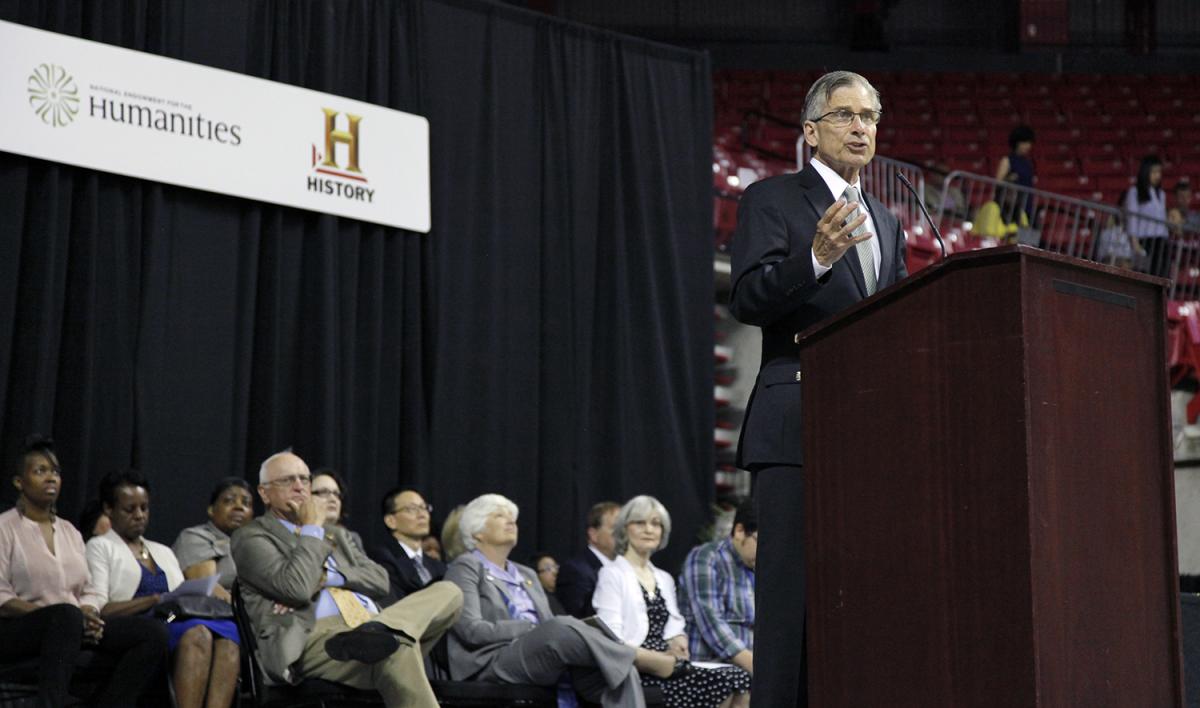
204,550
330,489
547,574
1001,218
406,515
432,547
92,521
131,573
577,577
637,601
1146,205
452,546
48,606
716,595
311,595
1189,217
1115,246
507,633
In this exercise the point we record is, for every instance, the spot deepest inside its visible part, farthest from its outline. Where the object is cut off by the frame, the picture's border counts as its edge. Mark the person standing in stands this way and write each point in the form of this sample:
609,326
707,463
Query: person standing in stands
1017,167
1189,217
1146,216
805,249
577,577
406,515
716,595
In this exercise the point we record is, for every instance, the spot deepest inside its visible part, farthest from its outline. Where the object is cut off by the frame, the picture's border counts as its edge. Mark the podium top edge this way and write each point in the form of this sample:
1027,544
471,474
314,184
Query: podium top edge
964,261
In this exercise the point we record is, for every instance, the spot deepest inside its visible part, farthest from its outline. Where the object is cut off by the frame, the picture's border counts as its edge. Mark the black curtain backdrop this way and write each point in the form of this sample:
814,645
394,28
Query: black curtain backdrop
550,340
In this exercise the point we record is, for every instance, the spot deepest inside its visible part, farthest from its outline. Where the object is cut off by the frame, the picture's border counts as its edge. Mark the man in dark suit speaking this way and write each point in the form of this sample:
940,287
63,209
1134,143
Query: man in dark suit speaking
804,250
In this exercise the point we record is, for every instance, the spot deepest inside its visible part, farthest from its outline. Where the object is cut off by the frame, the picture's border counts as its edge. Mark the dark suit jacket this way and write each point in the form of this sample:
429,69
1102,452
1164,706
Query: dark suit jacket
577,582
774,287
276,565
402,570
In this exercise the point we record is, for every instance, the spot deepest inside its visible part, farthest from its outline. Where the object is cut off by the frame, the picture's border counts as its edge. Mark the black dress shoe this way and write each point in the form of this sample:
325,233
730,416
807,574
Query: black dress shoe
369,643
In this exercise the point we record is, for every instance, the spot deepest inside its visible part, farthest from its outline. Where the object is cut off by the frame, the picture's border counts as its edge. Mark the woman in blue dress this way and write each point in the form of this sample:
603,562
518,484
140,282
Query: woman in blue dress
131,573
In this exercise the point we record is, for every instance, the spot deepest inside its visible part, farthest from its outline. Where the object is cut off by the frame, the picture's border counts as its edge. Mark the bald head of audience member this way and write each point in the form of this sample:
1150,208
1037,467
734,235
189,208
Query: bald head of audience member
285,487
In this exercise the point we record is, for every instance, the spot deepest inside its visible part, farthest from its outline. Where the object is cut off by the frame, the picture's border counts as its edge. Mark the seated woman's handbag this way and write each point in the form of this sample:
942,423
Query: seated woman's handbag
186,607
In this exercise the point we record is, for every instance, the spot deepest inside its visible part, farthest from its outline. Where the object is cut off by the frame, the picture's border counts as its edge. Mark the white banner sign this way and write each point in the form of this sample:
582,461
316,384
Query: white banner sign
94,105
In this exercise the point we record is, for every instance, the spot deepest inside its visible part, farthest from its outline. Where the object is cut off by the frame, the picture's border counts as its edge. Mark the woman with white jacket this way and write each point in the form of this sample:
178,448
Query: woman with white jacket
131,573
637,602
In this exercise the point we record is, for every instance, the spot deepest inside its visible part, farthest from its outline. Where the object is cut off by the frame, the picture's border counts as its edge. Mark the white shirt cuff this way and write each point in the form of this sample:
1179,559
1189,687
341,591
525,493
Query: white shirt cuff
818,269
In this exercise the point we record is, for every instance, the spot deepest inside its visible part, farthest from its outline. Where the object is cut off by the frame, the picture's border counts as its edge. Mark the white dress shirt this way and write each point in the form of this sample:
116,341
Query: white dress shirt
837,185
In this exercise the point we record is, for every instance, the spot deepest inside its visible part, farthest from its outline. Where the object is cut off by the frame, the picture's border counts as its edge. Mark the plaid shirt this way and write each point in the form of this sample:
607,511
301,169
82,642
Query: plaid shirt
717,600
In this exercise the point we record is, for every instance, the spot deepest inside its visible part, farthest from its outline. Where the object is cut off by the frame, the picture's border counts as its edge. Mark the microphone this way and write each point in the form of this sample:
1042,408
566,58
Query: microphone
937,234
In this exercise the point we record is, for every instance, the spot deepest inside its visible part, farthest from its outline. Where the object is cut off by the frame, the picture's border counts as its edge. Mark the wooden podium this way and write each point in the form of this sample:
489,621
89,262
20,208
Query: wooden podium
990,499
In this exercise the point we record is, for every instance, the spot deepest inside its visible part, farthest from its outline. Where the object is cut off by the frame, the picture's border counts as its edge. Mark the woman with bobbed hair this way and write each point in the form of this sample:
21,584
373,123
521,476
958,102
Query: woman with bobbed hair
637,601
329,489
204,550
49,606
507,633
131,573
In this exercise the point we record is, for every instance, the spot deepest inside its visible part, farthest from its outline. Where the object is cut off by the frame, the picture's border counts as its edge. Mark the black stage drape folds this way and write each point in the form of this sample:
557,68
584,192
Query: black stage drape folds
550,340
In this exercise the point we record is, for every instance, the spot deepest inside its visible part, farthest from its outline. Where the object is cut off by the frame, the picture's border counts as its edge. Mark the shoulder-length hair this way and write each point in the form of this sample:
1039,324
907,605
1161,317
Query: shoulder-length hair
1144,187
641,508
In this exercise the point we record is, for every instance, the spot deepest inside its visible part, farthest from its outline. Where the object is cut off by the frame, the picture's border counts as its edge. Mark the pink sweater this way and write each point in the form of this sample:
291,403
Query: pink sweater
30,572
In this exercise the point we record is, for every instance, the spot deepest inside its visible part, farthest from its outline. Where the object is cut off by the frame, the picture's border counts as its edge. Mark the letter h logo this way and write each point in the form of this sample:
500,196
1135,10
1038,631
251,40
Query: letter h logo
333,136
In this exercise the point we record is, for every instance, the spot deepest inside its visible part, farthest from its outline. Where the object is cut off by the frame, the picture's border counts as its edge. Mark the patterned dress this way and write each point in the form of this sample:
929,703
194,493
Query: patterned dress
699,688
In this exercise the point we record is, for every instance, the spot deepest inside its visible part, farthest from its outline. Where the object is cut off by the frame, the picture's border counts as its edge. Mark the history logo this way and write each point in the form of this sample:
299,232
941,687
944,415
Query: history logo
53,94
332,178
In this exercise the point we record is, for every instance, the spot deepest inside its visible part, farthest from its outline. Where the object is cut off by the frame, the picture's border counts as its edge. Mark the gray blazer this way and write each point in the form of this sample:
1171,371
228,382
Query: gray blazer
276,565
485,626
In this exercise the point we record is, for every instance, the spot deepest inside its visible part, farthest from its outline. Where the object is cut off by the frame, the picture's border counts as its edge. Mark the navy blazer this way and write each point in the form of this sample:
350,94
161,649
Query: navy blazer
774,288
577,582
402,570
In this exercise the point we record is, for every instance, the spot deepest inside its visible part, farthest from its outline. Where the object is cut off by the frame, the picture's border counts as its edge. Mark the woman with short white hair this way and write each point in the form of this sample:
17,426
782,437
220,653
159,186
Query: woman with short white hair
507,632
637,601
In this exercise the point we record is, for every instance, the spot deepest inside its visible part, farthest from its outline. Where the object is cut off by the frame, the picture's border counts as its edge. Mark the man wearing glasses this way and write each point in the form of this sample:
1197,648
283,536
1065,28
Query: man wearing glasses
805,249
406,514
317,602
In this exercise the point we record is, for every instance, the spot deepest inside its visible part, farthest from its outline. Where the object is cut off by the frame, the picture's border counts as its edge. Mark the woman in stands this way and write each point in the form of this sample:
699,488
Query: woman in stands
1017,167
329,488
47,605
1146,207
204,550
507,632
637,601
131,573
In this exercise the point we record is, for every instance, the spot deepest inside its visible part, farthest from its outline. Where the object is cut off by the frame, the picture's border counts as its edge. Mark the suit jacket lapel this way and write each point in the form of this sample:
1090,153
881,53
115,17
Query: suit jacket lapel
885,222
819,196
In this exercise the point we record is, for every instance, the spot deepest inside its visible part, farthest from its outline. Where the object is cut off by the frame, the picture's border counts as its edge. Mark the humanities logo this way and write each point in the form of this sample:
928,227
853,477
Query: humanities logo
53,95
327,164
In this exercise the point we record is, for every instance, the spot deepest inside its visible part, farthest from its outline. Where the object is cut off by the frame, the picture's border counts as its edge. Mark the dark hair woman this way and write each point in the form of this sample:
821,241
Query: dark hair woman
131,573
1146,218
204,550
48,605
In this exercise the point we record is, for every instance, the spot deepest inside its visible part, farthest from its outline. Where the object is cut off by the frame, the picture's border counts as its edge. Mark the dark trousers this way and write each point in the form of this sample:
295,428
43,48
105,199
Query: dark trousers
139,647
136,647
1158,256
52,635
780,651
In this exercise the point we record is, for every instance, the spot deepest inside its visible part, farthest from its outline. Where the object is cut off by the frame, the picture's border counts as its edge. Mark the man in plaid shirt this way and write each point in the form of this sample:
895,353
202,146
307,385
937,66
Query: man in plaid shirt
717,594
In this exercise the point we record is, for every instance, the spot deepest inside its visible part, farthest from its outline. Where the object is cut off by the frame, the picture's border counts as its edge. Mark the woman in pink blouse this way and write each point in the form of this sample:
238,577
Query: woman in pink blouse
47,606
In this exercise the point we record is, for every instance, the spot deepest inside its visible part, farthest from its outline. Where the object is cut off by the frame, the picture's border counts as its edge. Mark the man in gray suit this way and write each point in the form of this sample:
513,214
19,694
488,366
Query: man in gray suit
311,597
507,632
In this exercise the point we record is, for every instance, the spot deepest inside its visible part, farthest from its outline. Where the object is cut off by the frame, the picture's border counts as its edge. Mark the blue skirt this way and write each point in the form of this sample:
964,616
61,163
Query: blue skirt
222,628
